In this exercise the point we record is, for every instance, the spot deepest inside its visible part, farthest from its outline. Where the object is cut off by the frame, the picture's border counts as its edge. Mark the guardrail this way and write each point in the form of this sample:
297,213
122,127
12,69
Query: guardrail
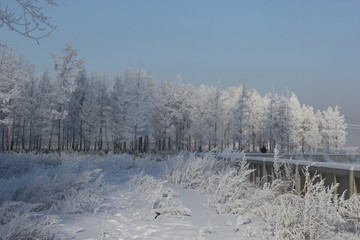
317,157
348,176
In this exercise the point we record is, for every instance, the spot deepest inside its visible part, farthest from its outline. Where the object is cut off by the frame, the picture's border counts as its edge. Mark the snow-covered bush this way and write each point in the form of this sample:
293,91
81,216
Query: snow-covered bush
351,212
190,171
314,214
227,180
19,220
11,165
61,188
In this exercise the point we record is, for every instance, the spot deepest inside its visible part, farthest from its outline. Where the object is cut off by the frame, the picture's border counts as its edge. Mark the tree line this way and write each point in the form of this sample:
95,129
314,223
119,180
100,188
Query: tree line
73,111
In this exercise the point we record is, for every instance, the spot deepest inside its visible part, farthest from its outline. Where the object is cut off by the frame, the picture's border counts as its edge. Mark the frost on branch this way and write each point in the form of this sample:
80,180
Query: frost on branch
26,17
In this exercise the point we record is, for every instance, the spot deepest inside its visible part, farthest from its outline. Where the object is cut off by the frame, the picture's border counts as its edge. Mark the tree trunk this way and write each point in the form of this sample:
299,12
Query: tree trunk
51,135
81,134
9,136
3,140
23,135
30,136
61,127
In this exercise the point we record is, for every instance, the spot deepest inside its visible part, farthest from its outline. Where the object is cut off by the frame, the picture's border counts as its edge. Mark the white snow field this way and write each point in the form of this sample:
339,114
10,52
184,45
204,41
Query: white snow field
153,197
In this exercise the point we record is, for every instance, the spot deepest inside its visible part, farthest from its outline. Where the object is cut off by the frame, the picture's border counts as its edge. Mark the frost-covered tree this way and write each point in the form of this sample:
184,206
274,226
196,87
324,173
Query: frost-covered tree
103,142
282,119
44,93
27,113
309,130
119,114
271,124
256,119
230,96
214,113
132,100
240,118
13,73
140,94
182,107
74,121
68,69
332,128
294,118
162,118
90,116
199,119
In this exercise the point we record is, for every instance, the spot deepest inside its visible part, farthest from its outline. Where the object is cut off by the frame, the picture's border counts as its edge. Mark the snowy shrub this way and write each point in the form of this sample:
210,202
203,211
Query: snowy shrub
81,194
12,165
62,188
227,180
190,171
19,220
351,212
159,196
315,214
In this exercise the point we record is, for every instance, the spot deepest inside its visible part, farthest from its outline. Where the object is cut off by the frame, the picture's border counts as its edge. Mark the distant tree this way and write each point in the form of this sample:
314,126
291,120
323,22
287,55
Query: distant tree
27,112
132,101
256,117
74,124
104,109
185,94
294,122
199,118
333,130
44,96
11,80
309,130
26,18
214,115
89,115
118,113
241,118
163,116
140,96
282,121
68,69
272,124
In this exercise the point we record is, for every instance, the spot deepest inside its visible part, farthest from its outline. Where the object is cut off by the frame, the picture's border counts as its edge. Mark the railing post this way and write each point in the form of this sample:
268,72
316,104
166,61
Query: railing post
273,177
264,172
352,183
297,179
335,182
253,173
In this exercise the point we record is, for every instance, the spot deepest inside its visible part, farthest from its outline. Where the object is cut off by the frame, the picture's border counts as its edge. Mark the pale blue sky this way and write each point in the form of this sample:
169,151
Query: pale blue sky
310,47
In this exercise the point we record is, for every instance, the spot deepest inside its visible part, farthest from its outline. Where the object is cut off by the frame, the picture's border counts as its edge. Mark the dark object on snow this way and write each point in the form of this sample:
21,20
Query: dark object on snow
157,214
263,149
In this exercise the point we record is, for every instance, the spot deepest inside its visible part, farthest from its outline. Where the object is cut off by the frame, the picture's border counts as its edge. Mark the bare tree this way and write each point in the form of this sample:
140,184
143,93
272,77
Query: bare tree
26,18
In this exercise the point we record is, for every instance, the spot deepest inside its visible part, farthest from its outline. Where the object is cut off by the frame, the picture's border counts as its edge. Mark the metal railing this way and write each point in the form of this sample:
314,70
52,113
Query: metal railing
346,175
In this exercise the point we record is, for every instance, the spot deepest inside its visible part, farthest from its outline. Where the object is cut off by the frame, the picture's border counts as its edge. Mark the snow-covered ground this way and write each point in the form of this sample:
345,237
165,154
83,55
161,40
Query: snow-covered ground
179,197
